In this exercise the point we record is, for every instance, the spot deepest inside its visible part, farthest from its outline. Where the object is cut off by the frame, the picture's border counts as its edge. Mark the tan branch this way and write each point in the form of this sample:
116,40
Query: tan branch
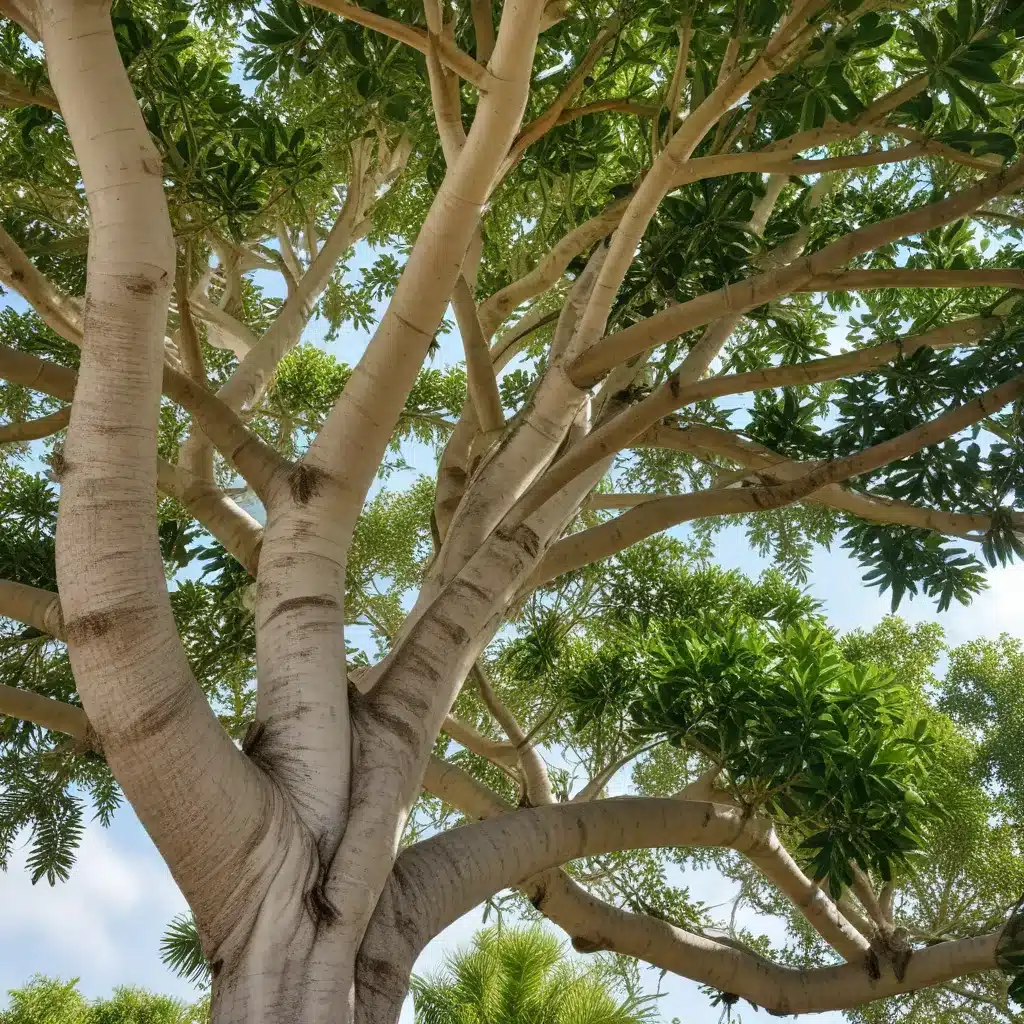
661,513
50,714
32,606
56,310
495,308
37,429
472,739
761,288
482,384
408,34
461,63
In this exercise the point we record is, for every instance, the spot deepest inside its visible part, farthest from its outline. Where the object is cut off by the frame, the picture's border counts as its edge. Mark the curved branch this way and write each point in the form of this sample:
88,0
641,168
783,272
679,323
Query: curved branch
704,440
408,34
761,288
50,714
659,514
675,393
37,429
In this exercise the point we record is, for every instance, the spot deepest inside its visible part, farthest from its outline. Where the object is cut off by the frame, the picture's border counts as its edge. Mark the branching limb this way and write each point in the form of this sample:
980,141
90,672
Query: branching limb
408,34
535,771
50,714
472,739
661,513
541,125
495,308
56,310
756,290
705,441
162,740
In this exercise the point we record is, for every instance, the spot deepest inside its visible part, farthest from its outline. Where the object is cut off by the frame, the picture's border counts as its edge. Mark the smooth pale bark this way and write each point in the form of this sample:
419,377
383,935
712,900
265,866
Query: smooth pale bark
50,714
761,288
449,874
32,606
683,388
34,430
707,441
57,311
205,805
659,514
362,422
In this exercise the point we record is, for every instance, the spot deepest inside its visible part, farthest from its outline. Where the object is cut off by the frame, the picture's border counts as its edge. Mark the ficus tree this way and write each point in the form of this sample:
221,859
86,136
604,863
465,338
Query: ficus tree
645,220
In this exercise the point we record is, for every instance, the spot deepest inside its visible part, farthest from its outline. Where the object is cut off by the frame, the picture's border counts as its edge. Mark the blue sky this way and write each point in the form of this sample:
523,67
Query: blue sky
104,925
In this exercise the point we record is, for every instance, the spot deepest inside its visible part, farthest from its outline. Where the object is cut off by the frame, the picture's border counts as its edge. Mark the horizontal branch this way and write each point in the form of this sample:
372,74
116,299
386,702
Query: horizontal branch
32,606
408,34
37,429
902,277
49,713
256,461
595,925
703,441
675,393
652,517
473,740
761,288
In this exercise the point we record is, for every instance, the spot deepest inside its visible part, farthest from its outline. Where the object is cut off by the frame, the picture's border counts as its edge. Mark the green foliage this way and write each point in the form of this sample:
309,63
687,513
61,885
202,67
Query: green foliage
182,951
520,975
49,1001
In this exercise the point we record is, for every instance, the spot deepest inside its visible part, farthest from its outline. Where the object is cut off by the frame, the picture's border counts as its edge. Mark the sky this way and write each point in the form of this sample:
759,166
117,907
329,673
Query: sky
104,925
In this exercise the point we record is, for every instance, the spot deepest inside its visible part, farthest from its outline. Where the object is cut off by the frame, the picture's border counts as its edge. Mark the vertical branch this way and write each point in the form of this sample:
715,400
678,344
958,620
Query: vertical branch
483,386
160,736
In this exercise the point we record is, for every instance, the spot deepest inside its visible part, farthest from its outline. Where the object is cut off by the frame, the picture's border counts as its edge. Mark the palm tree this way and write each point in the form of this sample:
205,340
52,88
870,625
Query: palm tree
520,976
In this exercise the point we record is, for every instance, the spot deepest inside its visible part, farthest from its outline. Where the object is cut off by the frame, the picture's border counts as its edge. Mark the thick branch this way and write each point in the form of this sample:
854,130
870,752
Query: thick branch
677,392
49,713
32,606
56,310
408,34
482,384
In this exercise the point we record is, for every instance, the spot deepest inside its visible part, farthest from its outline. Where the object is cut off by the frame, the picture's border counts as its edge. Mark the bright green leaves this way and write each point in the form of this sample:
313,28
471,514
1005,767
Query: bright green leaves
821,743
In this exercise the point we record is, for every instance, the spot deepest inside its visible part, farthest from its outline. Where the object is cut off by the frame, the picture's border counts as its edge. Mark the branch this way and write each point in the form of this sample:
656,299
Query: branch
50,714
703,440
483,29
472,739
542,124
163,742
675,393
408,34
461,63
256,461
33,607
14,93
761,288
482,384
55,309
231,525
659,514
535,771
595,925
37,429
495,308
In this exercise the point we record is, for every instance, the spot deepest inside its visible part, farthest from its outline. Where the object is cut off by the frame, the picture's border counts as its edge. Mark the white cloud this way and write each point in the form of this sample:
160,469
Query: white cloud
103,925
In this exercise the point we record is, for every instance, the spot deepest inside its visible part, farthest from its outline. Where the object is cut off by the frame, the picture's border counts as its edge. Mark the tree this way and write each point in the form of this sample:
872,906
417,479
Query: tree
519,975
48,1001
647,194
